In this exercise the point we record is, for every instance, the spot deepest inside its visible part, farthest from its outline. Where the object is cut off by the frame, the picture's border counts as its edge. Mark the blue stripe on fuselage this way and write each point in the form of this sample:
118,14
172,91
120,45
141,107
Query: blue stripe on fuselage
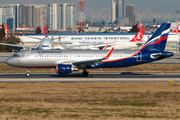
131,61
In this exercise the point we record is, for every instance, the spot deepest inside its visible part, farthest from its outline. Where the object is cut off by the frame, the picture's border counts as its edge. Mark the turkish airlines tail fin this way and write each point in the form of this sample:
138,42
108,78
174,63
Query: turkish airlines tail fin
140,26
177,30
7,30
43,30
139,36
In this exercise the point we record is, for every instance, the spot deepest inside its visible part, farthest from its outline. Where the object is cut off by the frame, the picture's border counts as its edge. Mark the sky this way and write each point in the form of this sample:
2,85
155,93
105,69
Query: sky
158,6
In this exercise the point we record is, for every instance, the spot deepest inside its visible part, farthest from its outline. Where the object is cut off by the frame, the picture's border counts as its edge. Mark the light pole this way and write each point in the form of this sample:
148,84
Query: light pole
105,12
140,17
14,11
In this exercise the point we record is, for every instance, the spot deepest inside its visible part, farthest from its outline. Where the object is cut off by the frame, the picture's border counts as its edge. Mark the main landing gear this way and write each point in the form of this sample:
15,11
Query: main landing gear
85,73
28,72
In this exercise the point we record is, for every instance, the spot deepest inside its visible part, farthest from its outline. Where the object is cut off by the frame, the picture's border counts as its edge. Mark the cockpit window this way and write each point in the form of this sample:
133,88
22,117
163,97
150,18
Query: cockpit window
16,55
45,45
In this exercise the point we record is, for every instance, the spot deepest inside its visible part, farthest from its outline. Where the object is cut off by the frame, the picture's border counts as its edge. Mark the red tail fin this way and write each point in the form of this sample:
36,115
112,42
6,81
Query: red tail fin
140,26
177,30
139,36
46,27
7,30
43,30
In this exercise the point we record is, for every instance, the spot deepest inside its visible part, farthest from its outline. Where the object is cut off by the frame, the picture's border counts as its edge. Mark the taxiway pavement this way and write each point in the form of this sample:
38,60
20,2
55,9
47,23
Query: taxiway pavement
93,77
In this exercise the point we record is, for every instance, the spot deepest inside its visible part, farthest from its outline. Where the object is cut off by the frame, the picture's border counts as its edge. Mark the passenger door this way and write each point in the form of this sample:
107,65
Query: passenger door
139,57
28,56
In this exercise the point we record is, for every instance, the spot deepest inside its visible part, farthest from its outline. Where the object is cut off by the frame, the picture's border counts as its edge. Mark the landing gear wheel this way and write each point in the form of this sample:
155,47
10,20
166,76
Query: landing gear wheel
85,73
28,74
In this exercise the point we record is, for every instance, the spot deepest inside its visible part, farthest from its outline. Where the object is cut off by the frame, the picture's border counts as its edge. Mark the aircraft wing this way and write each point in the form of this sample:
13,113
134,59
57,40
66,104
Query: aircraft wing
173,46
66,42
41,38
140,43
81,64
88,63
96,45
15,45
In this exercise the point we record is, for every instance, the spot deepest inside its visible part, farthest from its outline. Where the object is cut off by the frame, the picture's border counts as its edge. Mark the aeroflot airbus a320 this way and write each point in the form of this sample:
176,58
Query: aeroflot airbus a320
66,61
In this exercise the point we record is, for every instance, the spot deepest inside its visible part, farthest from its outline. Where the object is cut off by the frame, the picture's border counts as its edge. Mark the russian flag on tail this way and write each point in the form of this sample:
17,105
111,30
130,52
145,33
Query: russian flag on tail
158,40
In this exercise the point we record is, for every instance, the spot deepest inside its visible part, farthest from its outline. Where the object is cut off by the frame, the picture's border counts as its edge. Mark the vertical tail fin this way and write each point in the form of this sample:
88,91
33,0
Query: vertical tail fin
46,27
43,30
158,40
140,26
7,30
139,36
177,30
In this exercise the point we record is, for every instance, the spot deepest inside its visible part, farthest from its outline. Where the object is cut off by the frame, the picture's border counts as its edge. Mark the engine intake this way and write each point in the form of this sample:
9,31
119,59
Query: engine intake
64,69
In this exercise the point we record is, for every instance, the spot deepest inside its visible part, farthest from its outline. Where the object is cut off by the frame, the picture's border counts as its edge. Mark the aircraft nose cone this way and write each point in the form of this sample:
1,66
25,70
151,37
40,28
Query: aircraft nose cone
8,61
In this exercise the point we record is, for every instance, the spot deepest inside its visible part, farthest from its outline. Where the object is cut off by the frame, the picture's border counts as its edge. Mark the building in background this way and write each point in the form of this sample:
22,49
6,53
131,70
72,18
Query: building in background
113,11
131,13
117,11
31,15
8,15
123,22
120,9
123,14
18,15
61,16
39,15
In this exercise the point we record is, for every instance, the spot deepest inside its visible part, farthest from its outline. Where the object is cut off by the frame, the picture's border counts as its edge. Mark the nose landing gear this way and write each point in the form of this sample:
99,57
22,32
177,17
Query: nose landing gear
28,72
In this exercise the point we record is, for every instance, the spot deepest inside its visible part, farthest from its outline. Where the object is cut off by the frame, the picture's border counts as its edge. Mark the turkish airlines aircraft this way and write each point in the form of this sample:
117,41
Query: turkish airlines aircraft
7,31
66,61
43,30
98,43
46,43
177,30
140,26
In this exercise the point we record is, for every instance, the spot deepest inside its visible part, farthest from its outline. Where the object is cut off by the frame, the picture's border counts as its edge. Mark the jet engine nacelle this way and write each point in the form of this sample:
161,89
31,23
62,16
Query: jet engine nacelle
64,69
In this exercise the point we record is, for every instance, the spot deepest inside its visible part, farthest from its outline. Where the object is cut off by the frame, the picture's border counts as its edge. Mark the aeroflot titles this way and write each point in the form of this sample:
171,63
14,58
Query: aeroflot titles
49,51
100,38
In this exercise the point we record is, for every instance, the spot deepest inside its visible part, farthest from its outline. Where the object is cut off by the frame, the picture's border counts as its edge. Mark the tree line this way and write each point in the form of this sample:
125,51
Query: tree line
10,39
